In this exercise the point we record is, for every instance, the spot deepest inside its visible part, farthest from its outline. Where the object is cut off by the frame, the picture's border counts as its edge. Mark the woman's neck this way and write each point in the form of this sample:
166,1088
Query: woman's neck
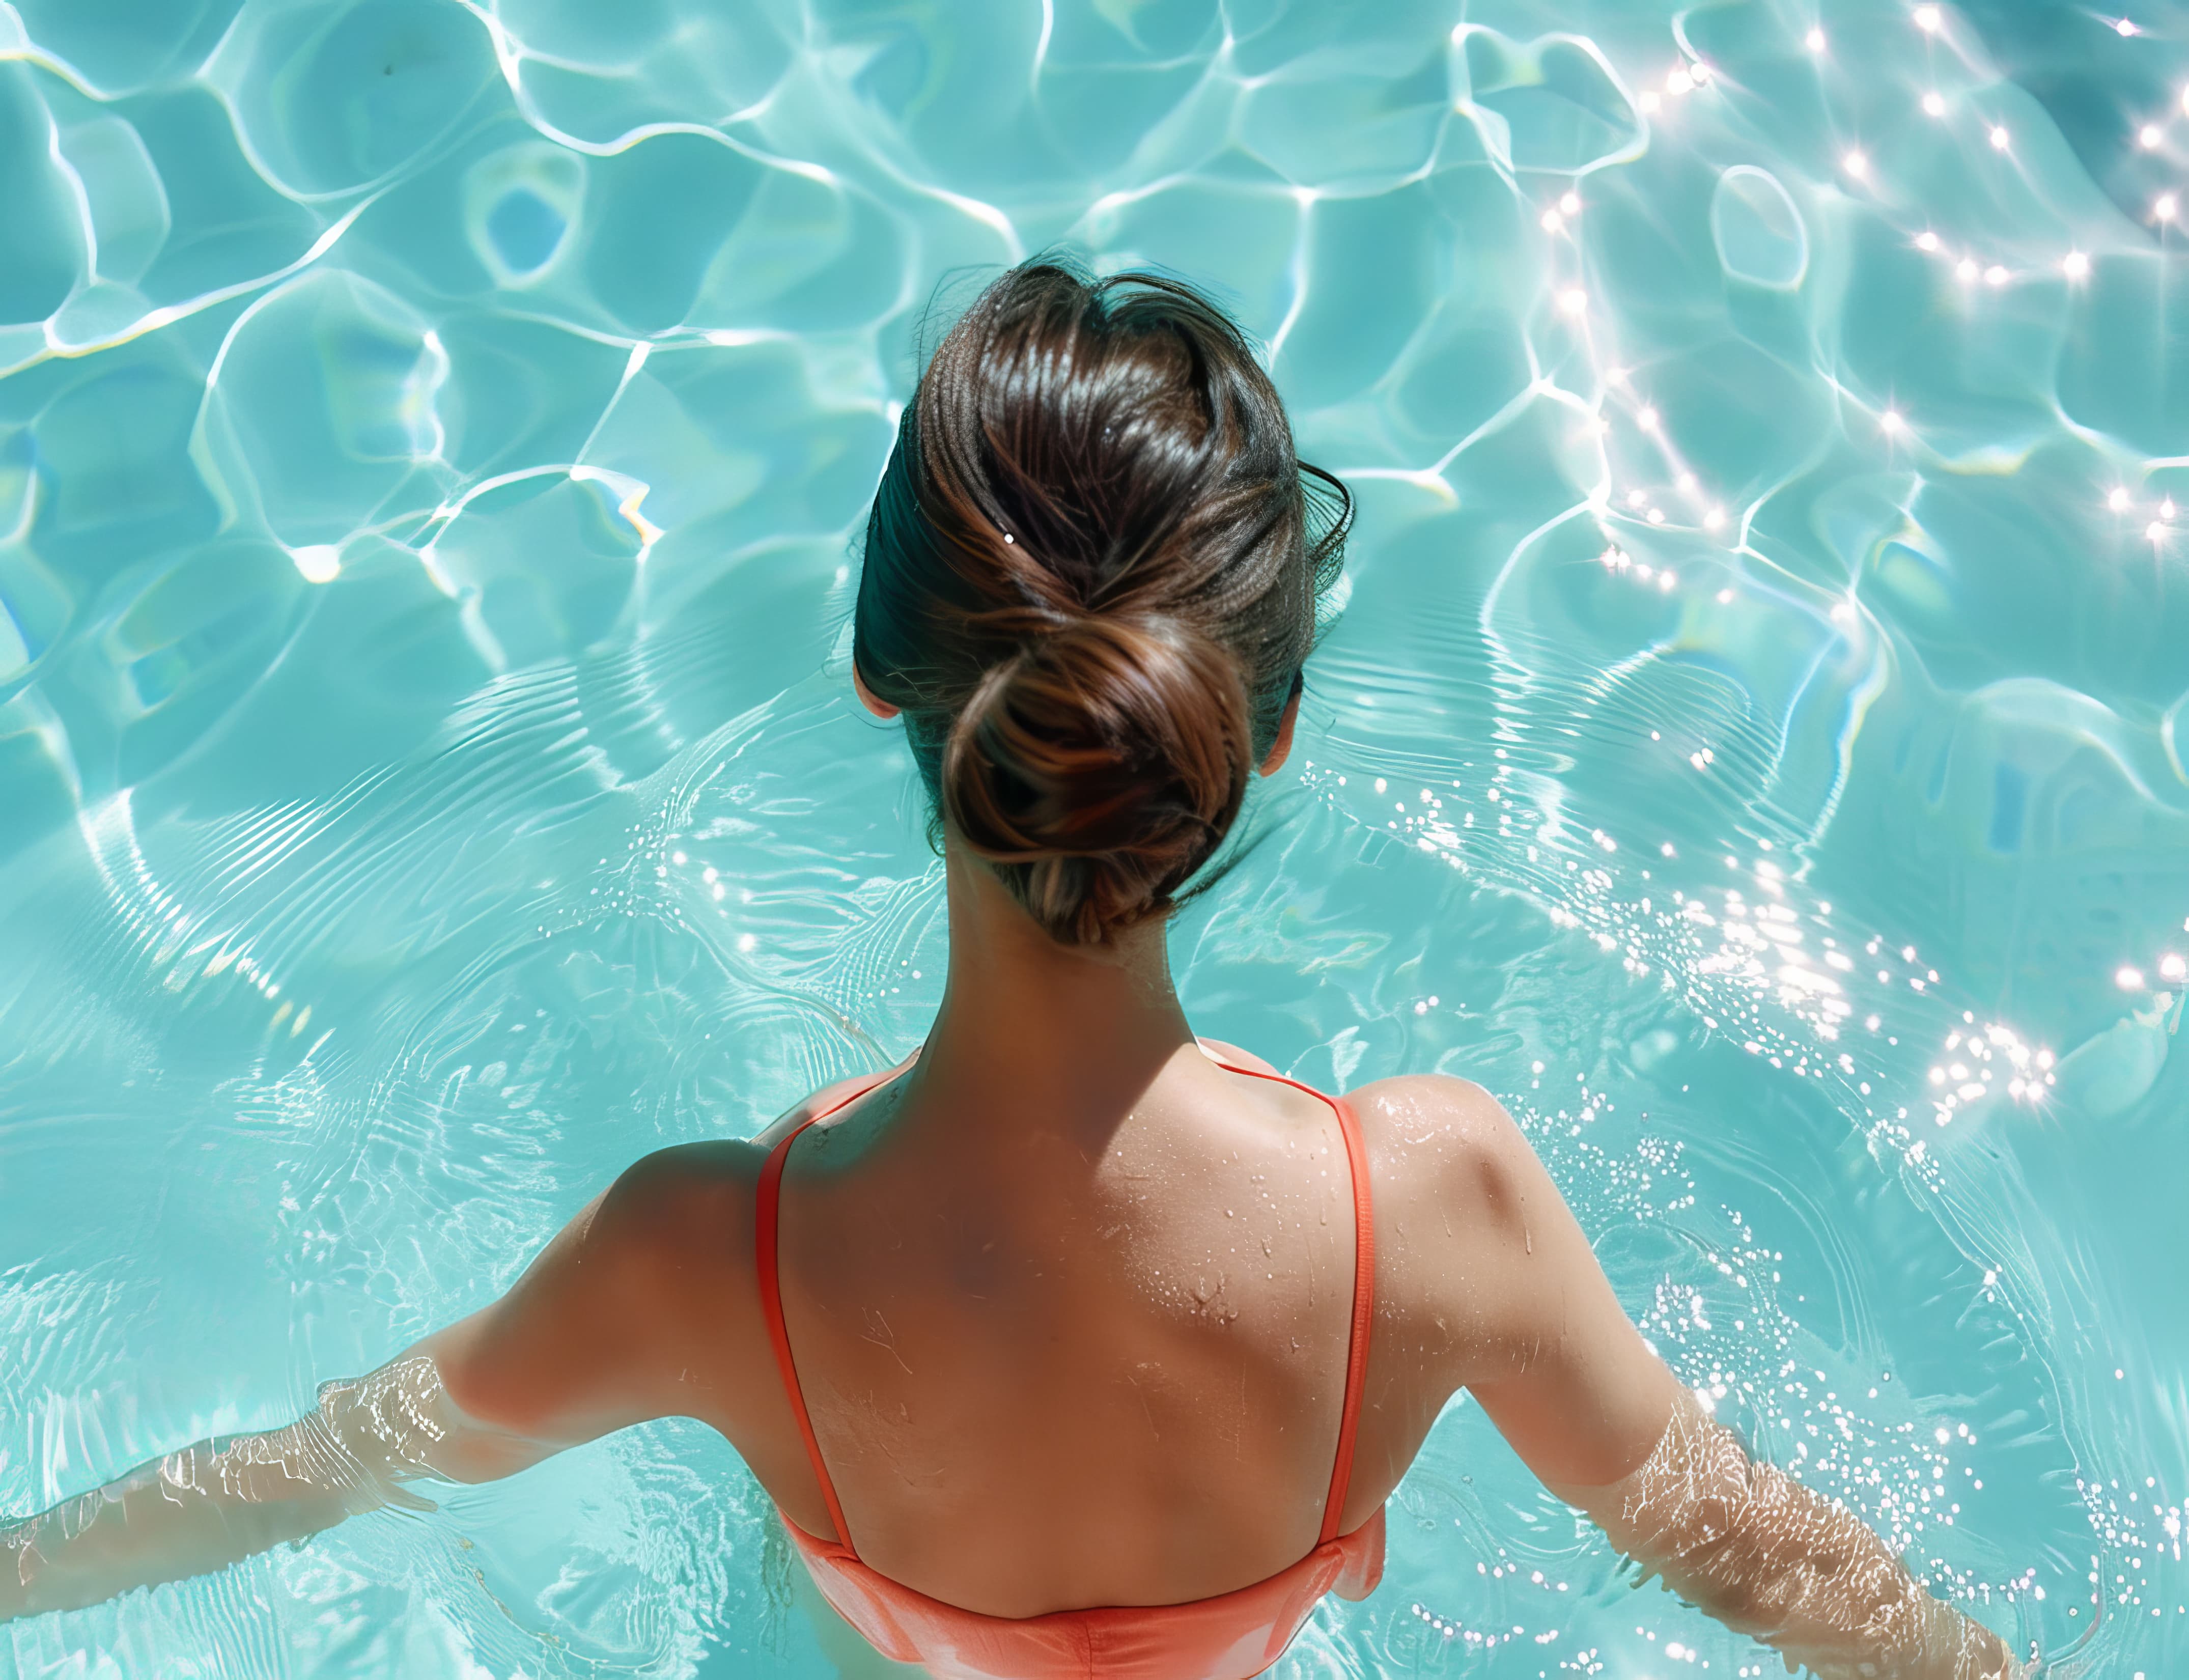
1075,1032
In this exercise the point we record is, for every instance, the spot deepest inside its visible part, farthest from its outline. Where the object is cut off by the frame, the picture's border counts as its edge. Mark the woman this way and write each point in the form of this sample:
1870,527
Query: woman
1074,1345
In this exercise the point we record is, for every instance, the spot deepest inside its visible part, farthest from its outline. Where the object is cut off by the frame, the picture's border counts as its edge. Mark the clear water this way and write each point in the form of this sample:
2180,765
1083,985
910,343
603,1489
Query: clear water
1755,747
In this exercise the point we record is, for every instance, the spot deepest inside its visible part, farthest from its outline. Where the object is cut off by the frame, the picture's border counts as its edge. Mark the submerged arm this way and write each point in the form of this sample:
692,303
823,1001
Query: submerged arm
574,1349
1778,1561
211,1503
1570,1383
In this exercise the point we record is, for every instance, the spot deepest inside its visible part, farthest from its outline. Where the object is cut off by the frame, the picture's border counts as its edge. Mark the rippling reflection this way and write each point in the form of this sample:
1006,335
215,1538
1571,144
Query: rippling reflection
1755,746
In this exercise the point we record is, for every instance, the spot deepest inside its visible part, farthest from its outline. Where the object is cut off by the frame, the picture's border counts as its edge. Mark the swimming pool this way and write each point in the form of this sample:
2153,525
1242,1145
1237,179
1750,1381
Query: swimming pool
1757,745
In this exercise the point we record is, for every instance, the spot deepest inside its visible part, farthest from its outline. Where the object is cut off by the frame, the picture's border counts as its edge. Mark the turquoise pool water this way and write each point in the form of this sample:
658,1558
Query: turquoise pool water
1757,745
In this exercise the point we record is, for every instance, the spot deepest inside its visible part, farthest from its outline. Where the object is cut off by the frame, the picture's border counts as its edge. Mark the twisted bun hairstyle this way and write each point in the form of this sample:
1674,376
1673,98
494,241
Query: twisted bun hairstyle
1092,573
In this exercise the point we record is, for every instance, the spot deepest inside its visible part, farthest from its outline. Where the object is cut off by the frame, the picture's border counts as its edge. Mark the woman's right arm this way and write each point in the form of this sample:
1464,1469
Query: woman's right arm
1570,1383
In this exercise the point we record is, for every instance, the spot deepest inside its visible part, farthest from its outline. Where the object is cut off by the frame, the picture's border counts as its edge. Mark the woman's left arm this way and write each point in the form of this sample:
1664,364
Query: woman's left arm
585,1343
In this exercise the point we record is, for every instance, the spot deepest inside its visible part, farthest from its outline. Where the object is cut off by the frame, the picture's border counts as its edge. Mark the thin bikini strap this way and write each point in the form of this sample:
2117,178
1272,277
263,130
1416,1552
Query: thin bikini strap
1364,1315
1364,1294
767,1223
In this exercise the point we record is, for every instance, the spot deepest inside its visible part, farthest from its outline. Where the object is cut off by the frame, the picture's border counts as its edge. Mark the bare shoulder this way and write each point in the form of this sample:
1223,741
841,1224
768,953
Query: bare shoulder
1463,1213
615,1316
691,1205
1439,1135
681,1216
1236,1056
684,1176
1457,1189
828,1097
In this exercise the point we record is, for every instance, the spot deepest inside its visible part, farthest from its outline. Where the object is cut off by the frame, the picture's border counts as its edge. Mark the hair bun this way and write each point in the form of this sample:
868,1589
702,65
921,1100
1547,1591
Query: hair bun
1093,570
1099,767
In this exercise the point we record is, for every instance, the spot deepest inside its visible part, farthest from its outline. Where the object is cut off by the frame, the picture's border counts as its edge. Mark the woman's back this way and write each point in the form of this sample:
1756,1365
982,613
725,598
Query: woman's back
1102,1364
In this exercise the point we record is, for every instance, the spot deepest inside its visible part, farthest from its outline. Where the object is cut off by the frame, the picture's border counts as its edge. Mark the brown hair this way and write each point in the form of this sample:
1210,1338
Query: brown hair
1090,584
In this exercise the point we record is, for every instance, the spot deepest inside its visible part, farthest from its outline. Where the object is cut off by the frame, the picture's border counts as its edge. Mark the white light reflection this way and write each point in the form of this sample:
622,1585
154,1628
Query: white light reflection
1926,240
1999,138
1857,165
319,562
1930,19
1934,104
2076,265
1814,40
2166,207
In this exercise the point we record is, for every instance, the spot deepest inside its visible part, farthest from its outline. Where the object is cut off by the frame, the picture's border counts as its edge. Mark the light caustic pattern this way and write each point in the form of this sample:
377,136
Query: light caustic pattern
431,435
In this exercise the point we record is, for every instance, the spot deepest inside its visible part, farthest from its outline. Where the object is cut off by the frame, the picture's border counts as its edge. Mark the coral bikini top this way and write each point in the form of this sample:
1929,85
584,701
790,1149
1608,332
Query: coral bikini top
1231,1637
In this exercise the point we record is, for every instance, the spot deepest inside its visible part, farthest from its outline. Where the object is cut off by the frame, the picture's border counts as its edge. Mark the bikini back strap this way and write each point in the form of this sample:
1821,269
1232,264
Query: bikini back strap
1364,1318
1364,1294
767,1226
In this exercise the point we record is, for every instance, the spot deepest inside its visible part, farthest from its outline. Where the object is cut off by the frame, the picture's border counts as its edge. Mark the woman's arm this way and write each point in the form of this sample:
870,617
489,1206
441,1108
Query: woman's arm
1774,1559
583,1343
217,1501
1570,1383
